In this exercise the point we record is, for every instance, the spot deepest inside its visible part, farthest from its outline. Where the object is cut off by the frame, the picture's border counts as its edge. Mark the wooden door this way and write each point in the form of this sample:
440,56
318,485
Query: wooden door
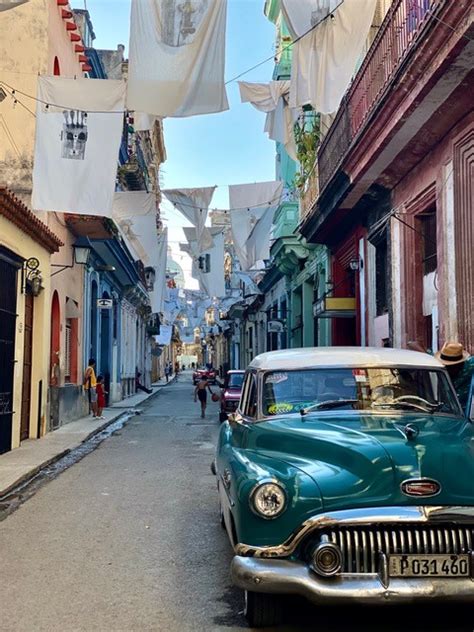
8,290
27,362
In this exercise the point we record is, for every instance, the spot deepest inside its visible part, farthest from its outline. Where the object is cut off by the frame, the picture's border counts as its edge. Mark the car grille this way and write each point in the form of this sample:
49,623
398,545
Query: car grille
230,406
361,546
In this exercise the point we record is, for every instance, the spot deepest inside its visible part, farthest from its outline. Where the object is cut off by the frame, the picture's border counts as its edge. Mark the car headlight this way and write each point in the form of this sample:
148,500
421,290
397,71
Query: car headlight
268,500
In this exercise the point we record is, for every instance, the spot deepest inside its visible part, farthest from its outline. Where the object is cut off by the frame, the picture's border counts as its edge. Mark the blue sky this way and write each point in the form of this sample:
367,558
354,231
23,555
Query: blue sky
227,148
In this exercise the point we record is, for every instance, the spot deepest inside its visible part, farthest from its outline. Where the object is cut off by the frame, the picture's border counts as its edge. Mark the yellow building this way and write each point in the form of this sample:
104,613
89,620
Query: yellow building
26,246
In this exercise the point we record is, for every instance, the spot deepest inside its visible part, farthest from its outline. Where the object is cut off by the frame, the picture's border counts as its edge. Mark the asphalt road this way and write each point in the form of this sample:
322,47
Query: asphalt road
128,539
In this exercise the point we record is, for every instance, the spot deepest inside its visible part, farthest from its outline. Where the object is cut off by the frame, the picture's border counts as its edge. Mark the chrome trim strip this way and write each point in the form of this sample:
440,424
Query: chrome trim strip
370,516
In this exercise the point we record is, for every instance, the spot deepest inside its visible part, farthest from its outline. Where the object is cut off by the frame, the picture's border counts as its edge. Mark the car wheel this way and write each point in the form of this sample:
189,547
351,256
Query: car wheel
262,610
222,416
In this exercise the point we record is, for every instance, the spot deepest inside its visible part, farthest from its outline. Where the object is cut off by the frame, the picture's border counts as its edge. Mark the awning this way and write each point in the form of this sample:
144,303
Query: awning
72,309
335,307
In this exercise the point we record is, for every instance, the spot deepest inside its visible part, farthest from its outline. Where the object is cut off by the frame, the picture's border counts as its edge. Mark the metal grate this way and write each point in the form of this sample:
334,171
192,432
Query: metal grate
361,546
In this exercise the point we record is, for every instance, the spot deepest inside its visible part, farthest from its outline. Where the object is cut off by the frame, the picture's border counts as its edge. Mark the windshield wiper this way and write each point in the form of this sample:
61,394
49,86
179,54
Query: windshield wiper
330,403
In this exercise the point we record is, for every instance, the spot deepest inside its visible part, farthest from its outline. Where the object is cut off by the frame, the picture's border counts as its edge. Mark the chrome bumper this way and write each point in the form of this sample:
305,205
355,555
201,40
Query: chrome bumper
288,577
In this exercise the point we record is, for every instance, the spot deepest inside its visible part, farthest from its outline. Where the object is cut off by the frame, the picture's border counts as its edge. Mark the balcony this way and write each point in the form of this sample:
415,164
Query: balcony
286,220
400,31
310,193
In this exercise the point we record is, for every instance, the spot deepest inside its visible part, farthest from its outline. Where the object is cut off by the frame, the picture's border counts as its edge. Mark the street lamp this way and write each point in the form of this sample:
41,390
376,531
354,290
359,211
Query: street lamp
80,256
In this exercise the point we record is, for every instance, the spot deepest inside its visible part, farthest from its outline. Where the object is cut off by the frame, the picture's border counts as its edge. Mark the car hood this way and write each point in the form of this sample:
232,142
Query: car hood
360,460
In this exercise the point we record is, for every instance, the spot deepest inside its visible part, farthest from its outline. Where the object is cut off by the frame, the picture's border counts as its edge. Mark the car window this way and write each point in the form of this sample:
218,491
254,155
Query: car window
235,380
399,388
249,403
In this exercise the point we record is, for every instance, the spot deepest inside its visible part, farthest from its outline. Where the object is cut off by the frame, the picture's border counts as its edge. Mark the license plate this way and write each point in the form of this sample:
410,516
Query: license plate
429,566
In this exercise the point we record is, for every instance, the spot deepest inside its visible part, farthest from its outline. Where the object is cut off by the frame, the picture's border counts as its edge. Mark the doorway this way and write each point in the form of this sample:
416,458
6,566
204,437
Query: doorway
8,292
27,365
105,347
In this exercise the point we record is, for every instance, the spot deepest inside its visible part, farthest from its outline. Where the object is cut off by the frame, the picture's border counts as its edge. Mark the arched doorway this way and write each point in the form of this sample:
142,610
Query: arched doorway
105,346
55,340
54,361
93,325
56,67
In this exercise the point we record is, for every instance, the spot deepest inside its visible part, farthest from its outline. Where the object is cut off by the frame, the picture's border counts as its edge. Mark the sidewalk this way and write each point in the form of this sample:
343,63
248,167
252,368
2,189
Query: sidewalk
33,455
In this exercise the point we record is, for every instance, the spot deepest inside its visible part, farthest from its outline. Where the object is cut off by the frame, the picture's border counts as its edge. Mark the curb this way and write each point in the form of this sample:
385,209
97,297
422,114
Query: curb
24,479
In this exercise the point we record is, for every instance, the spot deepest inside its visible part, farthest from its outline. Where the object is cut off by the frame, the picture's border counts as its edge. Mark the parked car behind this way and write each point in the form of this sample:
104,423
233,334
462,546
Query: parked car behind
208,374
230,393
346,475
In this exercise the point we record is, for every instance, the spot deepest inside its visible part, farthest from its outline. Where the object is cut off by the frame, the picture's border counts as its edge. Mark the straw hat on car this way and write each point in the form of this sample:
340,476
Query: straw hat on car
452,353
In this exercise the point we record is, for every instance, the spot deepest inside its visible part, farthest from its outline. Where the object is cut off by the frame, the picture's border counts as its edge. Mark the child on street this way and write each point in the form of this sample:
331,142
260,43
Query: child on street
101,393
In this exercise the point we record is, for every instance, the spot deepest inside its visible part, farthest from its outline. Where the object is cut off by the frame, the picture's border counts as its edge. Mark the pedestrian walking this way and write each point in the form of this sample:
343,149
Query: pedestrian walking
167,373
101,393
90,386
460,366
200,392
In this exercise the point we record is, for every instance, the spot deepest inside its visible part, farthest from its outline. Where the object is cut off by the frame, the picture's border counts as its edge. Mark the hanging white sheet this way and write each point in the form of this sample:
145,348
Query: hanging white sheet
158,259
325,59
273,98
77,144
135,214
249,203
10,4
143,122
177,57
194,205
211,282
164,337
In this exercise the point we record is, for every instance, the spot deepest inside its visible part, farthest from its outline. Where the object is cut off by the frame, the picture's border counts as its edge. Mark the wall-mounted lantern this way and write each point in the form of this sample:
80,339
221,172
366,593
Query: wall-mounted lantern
80,256
32,278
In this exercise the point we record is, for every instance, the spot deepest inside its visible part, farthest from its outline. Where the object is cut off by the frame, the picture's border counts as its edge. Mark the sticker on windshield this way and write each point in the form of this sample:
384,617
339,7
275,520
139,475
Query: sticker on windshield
281,407
360,375
276,378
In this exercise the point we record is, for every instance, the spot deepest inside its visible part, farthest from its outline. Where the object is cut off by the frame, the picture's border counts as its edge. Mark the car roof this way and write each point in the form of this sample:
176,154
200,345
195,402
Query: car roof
341,357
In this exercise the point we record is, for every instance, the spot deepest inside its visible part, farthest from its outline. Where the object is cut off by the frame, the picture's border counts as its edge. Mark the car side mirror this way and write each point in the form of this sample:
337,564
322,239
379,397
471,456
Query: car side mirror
235,418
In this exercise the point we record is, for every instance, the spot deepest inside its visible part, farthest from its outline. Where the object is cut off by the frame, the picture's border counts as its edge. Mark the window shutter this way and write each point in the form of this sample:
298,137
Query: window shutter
67,367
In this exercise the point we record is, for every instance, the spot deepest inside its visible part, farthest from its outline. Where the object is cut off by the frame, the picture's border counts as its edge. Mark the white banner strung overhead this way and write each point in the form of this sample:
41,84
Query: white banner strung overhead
164,337
135,214
177,57
10,4
77,144
272,98
208,267
250,203
324,61
194,204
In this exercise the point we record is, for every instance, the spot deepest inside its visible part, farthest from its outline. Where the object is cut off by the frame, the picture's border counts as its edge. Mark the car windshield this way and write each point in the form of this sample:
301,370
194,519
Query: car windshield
374,389
235,380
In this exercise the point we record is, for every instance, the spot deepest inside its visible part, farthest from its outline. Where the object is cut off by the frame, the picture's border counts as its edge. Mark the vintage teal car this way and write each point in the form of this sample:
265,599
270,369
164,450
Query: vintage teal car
347,474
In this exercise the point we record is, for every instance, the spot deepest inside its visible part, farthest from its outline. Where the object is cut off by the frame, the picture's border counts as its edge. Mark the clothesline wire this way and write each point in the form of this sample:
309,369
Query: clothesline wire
277,200
296,40
12,94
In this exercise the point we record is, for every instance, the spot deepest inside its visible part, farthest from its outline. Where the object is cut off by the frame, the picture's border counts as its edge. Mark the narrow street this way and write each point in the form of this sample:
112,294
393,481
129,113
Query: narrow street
129,539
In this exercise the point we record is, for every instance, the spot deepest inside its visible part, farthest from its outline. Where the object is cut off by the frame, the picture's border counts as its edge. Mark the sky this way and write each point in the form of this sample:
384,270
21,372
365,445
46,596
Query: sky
218,149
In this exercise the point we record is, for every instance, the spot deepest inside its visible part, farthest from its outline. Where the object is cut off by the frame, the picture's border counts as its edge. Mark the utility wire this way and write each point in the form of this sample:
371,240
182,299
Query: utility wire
272,57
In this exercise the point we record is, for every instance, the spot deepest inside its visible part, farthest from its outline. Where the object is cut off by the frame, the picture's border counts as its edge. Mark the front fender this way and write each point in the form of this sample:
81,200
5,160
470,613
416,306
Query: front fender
244,469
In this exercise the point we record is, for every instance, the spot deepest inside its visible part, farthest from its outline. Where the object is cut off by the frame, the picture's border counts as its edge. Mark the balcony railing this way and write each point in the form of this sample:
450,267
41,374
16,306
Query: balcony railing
310,192
396,37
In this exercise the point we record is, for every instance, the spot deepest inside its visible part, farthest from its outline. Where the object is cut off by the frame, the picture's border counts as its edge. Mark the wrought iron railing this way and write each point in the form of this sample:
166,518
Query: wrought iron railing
400,30
310,193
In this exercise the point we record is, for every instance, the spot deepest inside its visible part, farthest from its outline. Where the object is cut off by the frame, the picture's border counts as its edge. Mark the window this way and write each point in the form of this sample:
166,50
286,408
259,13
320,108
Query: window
56,67
68,349
429,246
381,268
250,400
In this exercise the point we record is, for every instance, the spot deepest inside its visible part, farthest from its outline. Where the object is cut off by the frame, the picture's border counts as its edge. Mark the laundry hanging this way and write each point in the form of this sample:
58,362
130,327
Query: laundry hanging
250,203
194,204
11,4
135,213
177,57
77,144
164,337
273,98
208,267
325,59
158,260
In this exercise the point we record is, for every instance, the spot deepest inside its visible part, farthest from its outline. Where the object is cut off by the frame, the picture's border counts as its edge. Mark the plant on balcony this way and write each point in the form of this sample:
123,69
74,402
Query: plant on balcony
307,137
